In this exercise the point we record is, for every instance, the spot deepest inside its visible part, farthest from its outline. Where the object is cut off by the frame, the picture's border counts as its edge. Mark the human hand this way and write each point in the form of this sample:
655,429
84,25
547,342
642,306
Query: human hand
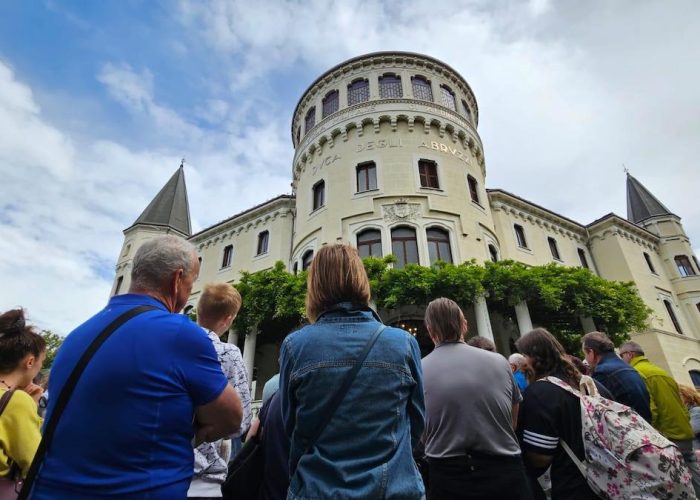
35,391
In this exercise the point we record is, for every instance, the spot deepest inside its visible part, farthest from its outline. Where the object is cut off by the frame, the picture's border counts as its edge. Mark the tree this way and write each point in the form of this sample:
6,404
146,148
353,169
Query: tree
53,343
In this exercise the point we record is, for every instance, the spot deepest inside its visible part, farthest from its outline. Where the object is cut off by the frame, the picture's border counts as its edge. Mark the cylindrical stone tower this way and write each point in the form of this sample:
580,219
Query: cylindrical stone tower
387,157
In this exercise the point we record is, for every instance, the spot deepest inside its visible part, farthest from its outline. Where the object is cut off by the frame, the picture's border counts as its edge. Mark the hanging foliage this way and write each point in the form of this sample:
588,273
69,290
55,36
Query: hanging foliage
557,296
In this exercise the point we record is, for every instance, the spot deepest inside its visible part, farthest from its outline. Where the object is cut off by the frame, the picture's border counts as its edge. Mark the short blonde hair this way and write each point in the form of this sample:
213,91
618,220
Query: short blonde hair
218,300
336,275
445,320
689,395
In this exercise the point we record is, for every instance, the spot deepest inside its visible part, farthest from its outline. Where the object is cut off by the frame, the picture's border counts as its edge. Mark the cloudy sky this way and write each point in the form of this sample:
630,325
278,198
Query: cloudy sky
100,100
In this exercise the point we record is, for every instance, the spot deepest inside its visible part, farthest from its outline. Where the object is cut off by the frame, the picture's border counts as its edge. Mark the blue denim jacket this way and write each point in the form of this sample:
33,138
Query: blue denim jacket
625,384
365,451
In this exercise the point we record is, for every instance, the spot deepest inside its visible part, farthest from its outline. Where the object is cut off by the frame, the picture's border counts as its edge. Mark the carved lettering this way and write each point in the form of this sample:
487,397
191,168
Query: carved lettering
370,145
381,143
434,145
443,147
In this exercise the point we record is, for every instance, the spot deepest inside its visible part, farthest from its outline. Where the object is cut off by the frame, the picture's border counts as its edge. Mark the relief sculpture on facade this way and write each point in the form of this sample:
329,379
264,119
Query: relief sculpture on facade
401,210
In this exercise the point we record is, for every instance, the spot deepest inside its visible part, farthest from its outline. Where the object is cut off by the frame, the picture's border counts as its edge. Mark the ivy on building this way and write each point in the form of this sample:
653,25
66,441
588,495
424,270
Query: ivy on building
557,296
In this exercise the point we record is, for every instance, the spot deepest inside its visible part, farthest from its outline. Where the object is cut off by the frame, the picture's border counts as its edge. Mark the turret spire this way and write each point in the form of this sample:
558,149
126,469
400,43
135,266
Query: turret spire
641,204
170,207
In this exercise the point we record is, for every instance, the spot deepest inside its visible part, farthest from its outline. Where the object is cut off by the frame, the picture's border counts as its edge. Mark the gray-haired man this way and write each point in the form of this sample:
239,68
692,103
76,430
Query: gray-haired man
149,389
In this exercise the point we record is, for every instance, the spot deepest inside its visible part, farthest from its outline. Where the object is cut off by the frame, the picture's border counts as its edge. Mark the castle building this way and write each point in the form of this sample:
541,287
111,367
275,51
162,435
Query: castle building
388,157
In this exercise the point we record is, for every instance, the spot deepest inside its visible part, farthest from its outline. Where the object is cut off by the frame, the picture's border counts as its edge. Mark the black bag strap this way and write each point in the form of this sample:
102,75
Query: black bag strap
5,399
67,391
343,389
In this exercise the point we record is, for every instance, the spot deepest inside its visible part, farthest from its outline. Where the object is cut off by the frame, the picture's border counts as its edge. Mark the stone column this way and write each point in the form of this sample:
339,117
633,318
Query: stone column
522,313
587,324
233,337
249,352
483,320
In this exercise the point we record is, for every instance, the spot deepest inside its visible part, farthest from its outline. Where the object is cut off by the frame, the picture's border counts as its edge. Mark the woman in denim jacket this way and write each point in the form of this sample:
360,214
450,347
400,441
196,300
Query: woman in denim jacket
365,450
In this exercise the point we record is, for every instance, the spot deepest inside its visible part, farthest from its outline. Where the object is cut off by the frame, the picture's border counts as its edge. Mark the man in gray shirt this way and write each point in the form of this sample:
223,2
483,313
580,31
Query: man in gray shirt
471,403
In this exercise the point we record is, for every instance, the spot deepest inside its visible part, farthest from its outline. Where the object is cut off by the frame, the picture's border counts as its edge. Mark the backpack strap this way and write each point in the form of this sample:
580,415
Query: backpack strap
579,465
67,390
5,399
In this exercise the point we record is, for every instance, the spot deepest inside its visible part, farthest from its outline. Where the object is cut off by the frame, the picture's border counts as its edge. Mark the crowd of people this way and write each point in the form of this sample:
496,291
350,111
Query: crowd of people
147,404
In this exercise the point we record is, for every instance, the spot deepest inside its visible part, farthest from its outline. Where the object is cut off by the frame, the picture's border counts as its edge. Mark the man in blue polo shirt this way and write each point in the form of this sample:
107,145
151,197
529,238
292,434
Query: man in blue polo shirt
151,388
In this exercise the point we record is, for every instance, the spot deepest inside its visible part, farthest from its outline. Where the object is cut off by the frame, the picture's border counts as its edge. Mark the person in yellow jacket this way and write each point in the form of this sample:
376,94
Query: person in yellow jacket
22,353
669,415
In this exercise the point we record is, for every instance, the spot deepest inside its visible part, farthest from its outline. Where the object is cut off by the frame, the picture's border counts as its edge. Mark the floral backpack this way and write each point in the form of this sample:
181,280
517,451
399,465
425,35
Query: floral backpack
626,458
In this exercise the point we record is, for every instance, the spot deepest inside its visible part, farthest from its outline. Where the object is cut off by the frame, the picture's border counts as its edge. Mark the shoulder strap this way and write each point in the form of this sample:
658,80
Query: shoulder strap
343,389
5,399
67,391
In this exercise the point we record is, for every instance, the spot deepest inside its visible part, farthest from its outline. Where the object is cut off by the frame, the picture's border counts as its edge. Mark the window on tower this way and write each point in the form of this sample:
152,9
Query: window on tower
358,91
263,240
553,248
228,254
369,243
421,88
439,245
520,235
473,189
685,268
306,259
319,194
467,111
366,176
672,315
582,258
650,264
448,97
427,171
118,287
331,103
310,120
404,246
390,87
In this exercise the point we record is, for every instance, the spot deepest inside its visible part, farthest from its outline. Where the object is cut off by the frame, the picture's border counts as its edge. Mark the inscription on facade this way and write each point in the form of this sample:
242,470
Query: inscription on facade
325,162
380,144
440,146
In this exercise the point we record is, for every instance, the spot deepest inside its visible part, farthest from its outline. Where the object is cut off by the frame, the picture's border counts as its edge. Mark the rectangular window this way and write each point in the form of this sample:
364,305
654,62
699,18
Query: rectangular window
319,194
358,92
366,176
553,248
120,279
404,246
582,258
467,111
228,254
669,308
263,240
520,235
473,189
331,103
684,266
390,87
448,98
427,170
649,263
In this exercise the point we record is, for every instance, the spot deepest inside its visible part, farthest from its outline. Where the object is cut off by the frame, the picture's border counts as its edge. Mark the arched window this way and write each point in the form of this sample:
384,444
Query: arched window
685,268
306,259
421,88
369,243
520,235
553,248
310,120
331,103
390,87
404,246
263,240
358,91
439,245
674,320
493,251
448,97
319,194
228,255
467,111
695,377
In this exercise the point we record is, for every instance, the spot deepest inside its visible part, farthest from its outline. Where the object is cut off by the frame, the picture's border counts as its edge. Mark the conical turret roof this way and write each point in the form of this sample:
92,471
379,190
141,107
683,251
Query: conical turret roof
641,204
170,206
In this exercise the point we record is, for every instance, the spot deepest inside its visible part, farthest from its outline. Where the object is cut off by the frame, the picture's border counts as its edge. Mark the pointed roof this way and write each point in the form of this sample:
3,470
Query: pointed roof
170,206
641,204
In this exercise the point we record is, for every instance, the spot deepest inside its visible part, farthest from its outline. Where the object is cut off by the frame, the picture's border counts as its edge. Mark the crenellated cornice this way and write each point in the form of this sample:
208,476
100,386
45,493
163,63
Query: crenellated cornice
361,65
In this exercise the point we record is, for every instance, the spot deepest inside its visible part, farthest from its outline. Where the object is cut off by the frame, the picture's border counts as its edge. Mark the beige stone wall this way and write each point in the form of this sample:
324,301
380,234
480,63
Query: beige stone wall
677,354
395,134
242,232
538,226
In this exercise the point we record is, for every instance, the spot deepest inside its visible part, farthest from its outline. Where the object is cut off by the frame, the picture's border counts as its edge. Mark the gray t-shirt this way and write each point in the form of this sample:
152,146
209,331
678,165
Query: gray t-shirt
469,398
